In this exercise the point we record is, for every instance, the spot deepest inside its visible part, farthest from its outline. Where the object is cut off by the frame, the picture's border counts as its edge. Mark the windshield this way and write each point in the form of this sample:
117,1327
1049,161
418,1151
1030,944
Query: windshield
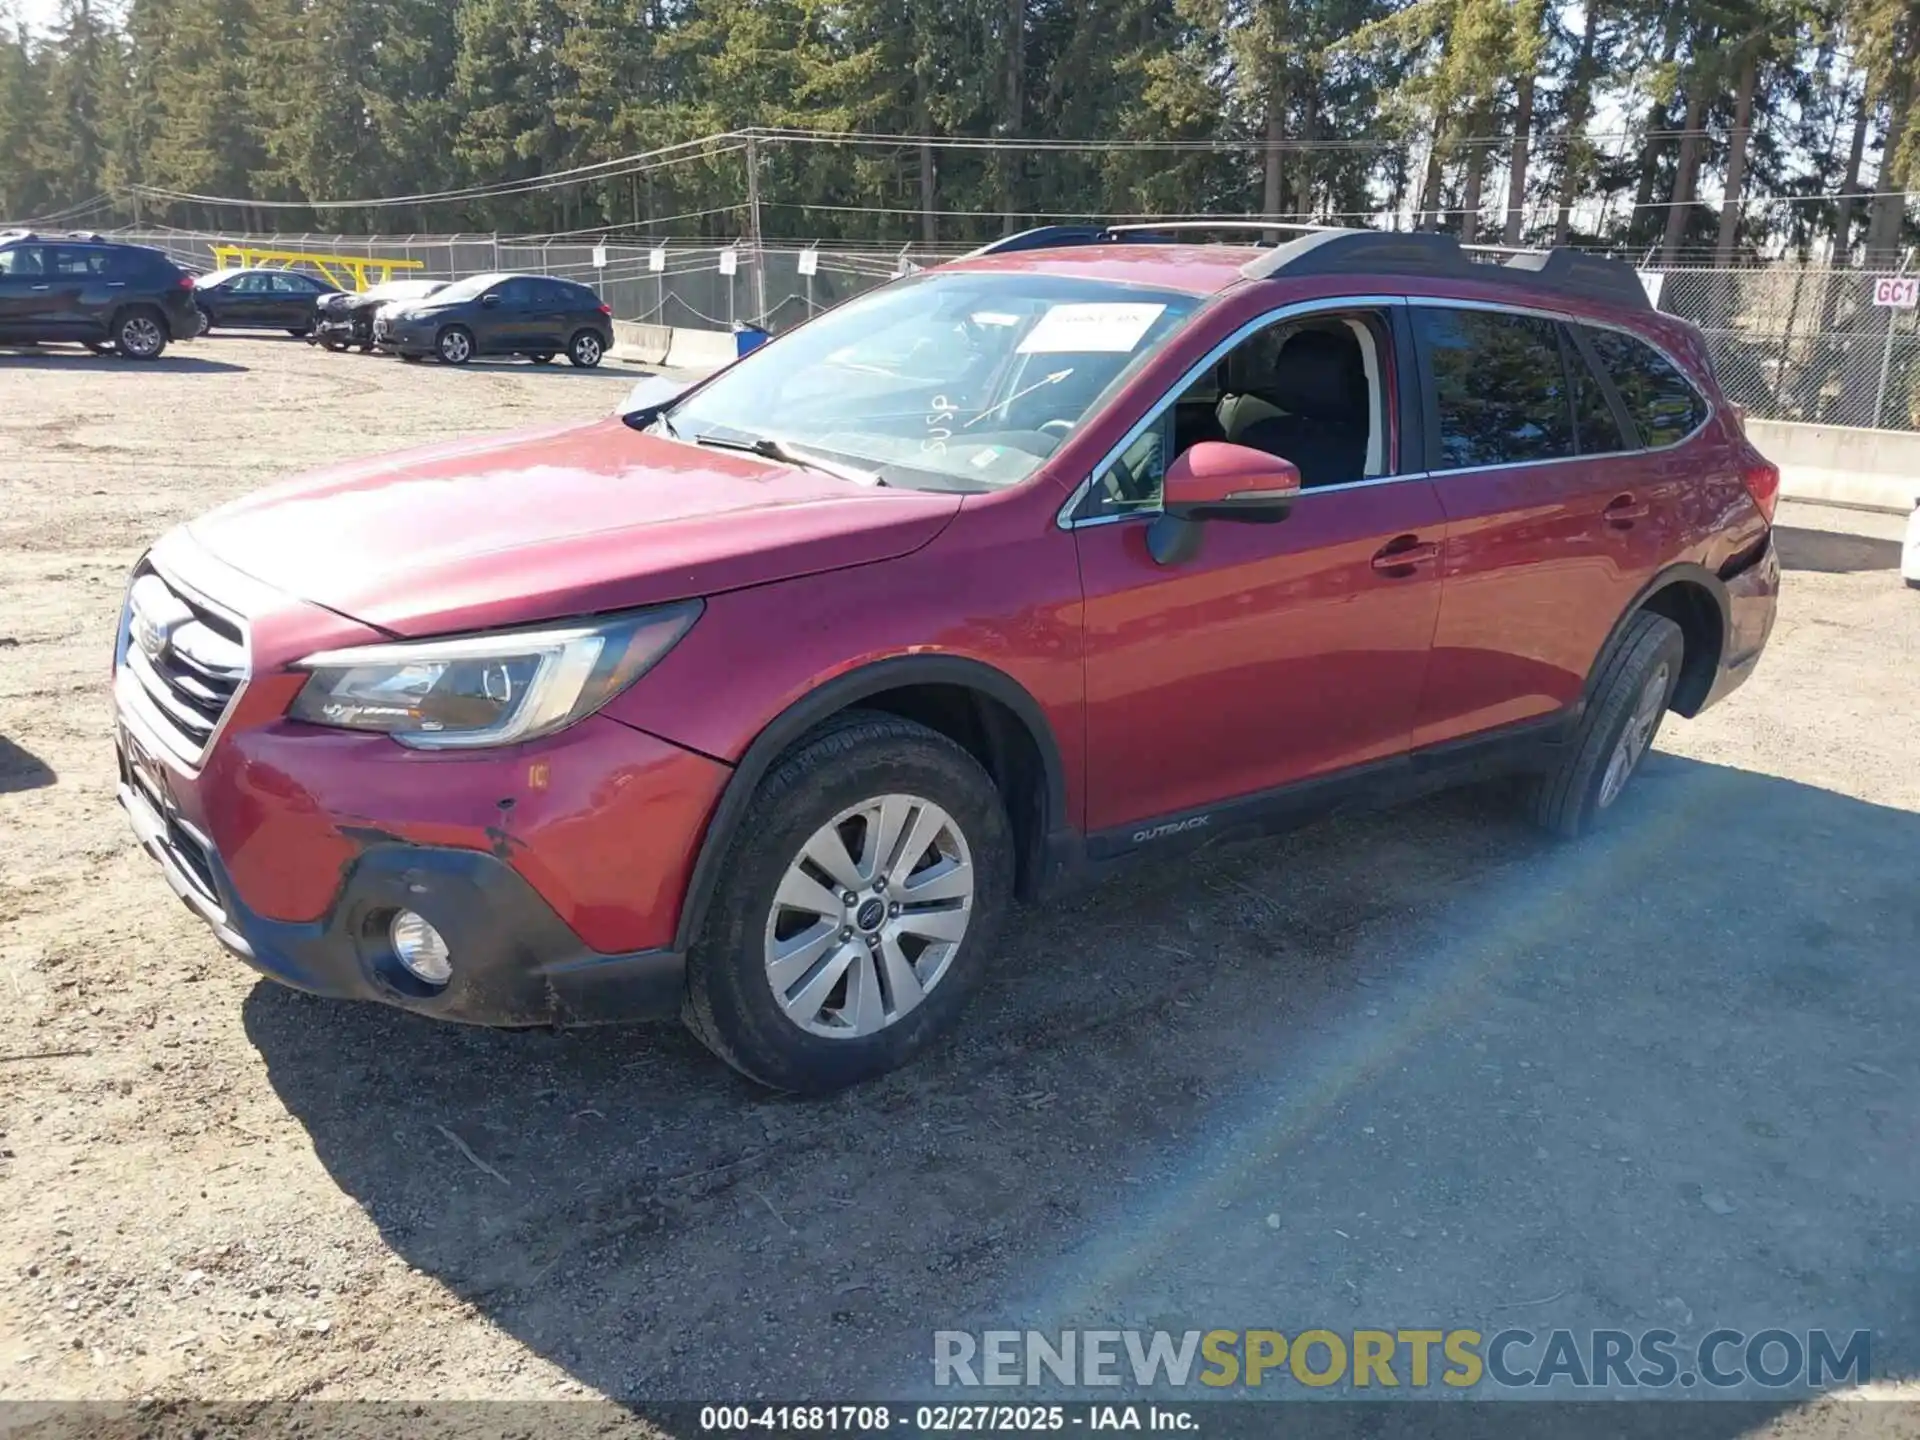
950,381
468,288
403,289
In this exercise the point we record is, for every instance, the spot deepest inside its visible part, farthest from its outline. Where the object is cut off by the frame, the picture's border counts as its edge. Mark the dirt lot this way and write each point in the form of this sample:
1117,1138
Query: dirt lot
1413,1069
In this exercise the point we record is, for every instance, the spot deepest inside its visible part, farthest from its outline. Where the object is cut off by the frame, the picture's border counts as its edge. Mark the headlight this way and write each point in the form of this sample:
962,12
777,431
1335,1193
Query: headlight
493,689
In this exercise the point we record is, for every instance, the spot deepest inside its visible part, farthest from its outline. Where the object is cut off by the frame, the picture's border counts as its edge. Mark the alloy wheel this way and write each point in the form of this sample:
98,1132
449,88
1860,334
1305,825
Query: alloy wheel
455,348
586,351
868,916
1635,738
140,336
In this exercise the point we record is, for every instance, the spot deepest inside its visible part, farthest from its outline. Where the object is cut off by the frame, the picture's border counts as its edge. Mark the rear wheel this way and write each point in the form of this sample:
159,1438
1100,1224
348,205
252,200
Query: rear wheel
455,345
1622,718
585,350
857,907
203,323
138,334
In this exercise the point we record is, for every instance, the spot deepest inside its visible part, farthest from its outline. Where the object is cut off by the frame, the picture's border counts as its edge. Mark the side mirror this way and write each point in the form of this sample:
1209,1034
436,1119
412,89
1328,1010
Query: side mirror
489,300
649,396
1214,480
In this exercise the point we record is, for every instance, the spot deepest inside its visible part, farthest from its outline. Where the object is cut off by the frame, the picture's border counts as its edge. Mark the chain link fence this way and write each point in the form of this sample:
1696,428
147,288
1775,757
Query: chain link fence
1805,344
702,287
1790,343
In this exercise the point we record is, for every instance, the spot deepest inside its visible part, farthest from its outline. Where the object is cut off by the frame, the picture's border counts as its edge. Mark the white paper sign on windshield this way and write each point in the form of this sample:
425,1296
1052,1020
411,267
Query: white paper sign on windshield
1089,329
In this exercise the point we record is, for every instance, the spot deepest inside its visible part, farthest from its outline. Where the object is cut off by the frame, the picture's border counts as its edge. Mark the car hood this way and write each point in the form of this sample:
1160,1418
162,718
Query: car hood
478,534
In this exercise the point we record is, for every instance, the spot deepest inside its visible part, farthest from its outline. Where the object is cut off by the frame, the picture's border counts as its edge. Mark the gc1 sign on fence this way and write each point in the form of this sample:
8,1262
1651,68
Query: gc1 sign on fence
1901,292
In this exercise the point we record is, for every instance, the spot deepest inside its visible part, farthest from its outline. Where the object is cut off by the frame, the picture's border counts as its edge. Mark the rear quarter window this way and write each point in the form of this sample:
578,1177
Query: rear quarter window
1662,402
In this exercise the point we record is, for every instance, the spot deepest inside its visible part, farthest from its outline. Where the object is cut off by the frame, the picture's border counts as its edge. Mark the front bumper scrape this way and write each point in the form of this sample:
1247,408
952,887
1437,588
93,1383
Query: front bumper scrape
515,962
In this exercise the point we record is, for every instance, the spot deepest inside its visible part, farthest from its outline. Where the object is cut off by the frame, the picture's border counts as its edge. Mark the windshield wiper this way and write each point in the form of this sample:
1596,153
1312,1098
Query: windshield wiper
772,447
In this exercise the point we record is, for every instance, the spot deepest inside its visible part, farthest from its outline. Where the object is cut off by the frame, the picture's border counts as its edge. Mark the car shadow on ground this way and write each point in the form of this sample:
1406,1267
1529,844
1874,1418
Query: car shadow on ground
171,362
1420,1068
21,769
494,364
1831,553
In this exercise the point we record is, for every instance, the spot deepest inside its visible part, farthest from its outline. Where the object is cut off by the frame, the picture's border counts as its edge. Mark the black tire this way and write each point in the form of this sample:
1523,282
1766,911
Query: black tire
545,357
140,333
203,325
454,345
857,756
585,350
1567,800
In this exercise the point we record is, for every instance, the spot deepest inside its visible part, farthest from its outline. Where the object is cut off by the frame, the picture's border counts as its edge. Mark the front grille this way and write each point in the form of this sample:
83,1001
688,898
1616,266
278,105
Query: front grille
190,850
187,659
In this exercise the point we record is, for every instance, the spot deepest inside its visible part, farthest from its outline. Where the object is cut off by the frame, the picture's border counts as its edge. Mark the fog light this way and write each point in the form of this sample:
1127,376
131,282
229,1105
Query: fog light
421,948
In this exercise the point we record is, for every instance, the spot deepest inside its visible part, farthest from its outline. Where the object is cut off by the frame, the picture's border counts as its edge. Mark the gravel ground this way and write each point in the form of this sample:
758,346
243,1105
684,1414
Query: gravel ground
1420,1068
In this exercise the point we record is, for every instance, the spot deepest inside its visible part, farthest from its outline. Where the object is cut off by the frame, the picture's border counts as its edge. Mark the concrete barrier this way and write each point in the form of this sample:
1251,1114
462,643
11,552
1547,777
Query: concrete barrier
672,345
1842,465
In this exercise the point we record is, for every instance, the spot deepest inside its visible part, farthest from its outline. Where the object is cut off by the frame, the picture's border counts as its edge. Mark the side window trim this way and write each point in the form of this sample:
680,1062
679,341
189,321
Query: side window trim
1629,431
1068,518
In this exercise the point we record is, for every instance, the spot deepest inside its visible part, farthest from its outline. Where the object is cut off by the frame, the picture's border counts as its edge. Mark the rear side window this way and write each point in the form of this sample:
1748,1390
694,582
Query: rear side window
1660,399
1595,424
23,260
1499,388
75,260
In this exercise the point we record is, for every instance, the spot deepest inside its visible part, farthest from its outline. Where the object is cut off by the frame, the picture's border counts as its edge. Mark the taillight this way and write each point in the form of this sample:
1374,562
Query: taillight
186,282
606,310
1762,479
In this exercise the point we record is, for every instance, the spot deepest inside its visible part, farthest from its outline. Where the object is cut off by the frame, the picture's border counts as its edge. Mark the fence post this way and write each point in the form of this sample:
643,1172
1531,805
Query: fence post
1886,358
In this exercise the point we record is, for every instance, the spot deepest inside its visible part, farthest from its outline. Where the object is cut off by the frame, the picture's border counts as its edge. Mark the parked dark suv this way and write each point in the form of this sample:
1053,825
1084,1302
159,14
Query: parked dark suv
530,315
81,288
760,703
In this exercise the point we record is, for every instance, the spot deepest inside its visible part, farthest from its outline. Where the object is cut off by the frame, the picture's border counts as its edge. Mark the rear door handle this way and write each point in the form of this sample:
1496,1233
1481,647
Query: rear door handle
1623,510
43,287
1401,555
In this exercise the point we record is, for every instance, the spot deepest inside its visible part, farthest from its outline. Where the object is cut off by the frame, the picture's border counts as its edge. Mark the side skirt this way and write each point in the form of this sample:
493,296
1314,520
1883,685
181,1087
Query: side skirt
1527,747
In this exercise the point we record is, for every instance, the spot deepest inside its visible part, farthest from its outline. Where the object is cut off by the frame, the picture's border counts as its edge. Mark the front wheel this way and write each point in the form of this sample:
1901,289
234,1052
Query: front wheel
857,906
139,335
203,323
455,346
1623,716
585,350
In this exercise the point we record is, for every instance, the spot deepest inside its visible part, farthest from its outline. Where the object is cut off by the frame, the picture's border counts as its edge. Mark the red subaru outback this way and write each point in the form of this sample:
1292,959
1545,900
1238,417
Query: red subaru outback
761,702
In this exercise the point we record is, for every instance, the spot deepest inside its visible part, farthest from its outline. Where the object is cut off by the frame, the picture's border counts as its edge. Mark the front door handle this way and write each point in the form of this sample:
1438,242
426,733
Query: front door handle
1623,510
1400,556
43,287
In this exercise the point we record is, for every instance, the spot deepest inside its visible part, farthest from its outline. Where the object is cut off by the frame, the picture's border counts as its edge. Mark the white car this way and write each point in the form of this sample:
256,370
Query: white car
1910,556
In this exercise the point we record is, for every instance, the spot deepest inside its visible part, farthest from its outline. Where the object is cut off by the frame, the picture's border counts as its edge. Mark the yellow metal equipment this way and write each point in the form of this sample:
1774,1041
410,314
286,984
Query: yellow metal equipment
346,272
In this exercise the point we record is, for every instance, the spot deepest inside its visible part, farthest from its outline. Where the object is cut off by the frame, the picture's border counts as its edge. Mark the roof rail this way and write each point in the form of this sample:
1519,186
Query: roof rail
1325,250
1343,252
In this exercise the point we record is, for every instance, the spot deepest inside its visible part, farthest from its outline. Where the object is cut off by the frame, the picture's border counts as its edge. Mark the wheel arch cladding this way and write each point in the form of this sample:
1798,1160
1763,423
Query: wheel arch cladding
981,709
1694,598
1701,616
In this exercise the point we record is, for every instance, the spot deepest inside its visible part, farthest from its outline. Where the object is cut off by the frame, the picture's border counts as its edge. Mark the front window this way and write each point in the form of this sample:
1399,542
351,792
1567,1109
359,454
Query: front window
471,288
952,381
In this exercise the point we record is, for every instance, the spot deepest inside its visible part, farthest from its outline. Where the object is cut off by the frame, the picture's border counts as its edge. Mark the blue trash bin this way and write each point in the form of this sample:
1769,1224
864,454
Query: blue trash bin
748,338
